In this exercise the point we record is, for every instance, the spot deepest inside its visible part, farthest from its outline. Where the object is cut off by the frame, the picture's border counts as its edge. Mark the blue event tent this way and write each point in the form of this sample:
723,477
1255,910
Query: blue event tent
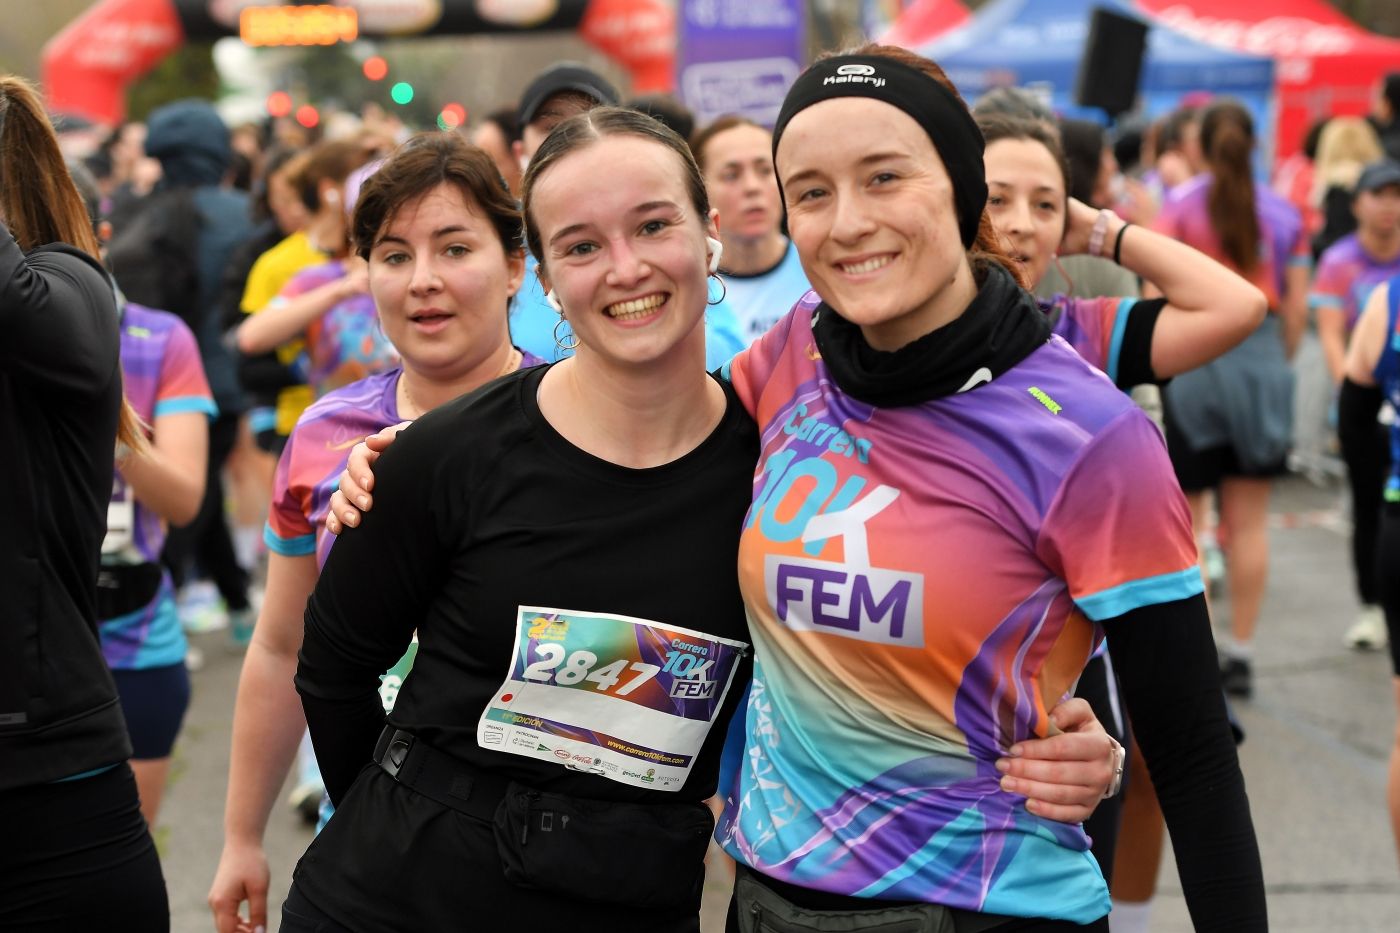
1038,43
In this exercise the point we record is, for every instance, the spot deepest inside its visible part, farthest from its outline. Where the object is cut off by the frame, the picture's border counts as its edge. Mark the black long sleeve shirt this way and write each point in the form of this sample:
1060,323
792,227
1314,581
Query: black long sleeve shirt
60,395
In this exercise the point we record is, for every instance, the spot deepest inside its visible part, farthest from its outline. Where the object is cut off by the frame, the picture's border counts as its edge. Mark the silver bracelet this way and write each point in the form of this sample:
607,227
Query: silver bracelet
1119,756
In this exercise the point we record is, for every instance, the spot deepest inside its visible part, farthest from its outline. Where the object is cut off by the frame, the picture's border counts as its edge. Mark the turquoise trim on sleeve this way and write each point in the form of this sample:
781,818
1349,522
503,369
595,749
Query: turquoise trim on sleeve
84,774
1149,591
1319,300
724,371
183,404
1296,261
300,546
1115,342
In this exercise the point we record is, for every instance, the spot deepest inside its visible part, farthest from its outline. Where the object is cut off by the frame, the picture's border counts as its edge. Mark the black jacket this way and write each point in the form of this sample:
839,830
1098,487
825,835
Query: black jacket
60,396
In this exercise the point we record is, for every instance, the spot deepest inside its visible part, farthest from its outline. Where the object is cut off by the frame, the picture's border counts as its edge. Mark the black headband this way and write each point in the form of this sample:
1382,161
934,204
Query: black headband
938,110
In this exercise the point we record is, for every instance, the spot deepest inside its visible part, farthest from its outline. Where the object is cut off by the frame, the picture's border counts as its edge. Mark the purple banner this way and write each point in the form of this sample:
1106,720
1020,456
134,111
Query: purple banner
738,56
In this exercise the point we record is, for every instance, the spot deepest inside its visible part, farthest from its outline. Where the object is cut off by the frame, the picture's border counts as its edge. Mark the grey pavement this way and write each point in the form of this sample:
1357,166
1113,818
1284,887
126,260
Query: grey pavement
1319,732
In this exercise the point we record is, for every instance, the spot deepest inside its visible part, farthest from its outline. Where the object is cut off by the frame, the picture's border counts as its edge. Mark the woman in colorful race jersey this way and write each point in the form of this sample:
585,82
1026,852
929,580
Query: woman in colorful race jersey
1373,376
441,234
917,398
570,570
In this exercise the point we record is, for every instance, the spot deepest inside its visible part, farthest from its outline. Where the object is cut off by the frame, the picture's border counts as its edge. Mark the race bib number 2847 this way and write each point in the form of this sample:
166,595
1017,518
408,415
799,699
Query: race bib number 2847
625,698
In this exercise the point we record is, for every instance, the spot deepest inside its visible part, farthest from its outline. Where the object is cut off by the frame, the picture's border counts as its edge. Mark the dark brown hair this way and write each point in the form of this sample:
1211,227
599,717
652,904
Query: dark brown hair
38,199
420,165
579,132
723,124
998,126
987,246
1227,138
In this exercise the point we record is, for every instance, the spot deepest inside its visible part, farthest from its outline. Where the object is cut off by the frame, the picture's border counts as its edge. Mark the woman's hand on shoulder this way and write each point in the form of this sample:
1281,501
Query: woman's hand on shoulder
1064,776
352,497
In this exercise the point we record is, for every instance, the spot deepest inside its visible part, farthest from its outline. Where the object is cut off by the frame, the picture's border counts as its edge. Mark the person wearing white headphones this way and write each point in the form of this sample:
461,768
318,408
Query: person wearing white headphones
536,326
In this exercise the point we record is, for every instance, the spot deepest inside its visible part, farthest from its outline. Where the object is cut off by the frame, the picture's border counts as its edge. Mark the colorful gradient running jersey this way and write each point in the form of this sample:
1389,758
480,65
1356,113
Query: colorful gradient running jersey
923,585
162,375
1345,277
345,344
1094,327
1185,216
316,453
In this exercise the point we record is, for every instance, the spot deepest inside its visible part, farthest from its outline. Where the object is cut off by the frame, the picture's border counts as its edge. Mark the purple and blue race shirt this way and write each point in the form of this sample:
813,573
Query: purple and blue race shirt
923,584
162,375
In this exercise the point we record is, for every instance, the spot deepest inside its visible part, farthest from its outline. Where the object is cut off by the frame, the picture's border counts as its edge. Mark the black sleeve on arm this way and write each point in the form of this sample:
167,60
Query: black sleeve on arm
1135,349
59,318
1357,407
1168,668
375,589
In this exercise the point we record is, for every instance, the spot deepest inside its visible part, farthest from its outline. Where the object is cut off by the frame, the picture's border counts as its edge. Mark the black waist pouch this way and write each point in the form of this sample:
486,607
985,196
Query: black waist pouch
125,588
760,909
641,855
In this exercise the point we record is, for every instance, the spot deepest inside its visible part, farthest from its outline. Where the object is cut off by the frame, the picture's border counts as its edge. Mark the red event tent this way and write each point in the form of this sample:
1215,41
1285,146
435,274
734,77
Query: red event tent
1326,64
921,20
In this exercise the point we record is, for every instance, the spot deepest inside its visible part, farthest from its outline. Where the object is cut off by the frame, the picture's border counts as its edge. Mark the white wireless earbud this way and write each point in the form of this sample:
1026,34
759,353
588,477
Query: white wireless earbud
716,251
553,302
332,196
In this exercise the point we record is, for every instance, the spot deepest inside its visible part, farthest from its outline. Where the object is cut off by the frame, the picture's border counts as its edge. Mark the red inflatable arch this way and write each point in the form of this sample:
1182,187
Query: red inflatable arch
87,67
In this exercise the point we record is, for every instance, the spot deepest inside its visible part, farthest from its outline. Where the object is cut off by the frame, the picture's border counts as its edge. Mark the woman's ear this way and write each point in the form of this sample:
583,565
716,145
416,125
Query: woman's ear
515,271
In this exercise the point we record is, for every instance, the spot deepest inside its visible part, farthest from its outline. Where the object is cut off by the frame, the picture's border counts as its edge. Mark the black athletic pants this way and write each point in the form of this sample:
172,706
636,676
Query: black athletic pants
77,856
1368,463
207,539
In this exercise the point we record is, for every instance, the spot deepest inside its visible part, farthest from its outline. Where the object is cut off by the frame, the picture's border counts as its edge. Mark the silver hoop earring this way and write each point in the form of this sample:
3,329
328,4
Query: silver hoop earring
723,291
559,342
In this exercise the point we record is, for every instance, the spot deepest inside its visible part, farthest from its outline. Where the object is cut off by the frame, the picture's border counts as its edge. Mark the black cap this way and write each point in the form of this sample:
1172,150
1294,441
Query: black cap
565,76
1378,175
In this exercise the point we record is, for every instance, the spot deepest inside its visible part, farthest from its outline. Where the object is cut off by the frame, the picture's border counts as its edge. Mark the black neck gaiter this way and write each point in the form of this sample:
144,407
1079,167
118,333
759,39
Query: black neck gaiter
1000,328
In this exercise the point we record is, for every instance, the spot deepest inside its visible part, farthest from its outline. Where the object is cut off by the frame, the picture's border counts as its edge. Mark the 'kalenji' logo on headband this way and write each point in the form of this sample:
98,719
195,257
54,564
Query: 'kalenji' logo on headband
855,74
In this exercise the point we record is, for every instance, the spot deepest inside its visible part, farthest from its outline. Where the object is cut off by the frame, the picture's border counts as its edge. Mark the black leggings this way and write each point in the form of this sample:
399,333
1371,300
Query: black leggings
77,856
207,539
1368,462
1388,577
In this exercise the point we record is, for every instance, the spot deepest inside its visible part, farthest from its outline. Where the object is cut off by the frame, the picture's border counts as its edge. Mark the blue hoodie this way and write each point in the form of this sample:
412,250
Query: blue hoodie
192,144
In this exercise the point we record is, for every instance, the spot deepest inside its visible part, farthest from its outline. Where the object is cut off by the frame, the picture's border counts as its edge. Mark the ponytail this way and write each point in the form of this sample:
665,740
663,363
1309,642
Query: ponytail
38,200
1227,138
